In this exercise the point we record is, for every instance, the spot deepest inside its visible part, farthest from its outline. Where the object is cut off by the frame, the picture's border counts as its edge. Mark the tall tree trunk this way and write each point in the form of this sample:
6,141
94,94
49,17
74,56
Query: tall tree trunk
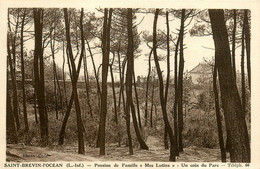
130,73
151,113
243,86
14,40
233,62
34,98
113,88
105,64
59,91
64,75
52,43
162,98
23,77
129,77
137,102
55,76
233,111
81,148
65,120
86,78
168,58
175,106
114,99
39,75
168,76
218,116
69,106
121,76
122,87
35,106
12,63
147,88
97,80
98,89
248,46
137,131
95,71
234,42
67,114
11,133
62,133
180,84
121,91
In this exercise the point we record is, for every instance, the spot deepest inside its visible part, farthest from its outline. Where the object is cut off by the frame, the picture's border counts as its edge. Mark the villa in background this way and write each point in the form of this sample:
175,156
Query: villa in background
201,71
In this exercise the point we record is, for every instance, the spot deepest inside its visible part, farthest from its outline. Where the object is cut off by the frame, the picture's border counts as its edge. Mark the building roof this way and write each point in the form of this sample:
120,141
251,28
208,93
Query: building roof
202,68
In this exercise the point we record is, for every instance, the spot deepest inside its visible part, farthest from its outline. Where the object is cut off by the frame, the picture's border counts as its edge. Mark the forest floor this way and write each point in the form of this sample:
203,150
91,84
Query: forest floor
156,153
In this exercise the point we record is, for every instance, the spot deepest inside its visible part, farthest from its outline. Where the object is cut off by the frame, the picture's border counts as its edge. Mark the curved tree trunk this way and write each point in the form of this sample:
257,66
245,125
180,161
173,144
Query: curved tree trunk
86,78
81,148
114,99
98,89
147,88
137,131
121,91
130,70
69,107
218,116
162,98
57,79
95,71
233,111
64,123
121,76
113,89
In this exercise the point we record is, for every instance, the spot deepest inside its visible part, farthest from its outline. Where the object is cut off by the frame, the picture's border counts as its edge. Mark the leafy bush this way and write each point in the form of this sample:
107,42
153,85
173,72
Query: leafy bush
200,129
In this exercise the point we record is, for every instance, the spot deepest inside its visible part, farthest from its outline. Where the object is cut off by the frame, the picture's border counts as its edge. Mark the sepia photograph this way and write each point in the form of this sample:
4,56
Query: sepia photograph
125,84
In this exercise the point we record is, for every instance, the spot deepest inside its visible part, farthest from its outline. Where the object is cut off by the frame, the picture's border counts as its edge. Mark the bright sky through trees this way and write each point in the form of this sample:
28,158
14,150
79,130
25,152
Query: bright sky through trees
196,49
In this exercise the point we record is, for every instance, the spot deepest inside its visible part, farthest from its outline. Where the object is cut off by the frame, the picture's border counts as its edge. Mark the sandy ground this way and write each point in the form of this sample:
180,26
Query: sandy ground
156,153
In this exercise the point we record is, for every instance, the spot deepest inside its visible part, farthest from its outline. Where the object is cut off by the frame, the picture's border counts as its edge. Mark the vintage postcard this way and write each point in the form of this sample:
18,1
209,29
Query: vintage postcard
130,84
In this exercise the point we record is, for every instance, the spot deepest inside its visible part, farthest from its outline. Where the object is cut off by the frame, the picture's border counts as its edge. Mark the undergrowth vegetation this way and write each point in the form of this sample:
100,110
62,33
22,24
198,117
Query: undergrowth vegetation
200,127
